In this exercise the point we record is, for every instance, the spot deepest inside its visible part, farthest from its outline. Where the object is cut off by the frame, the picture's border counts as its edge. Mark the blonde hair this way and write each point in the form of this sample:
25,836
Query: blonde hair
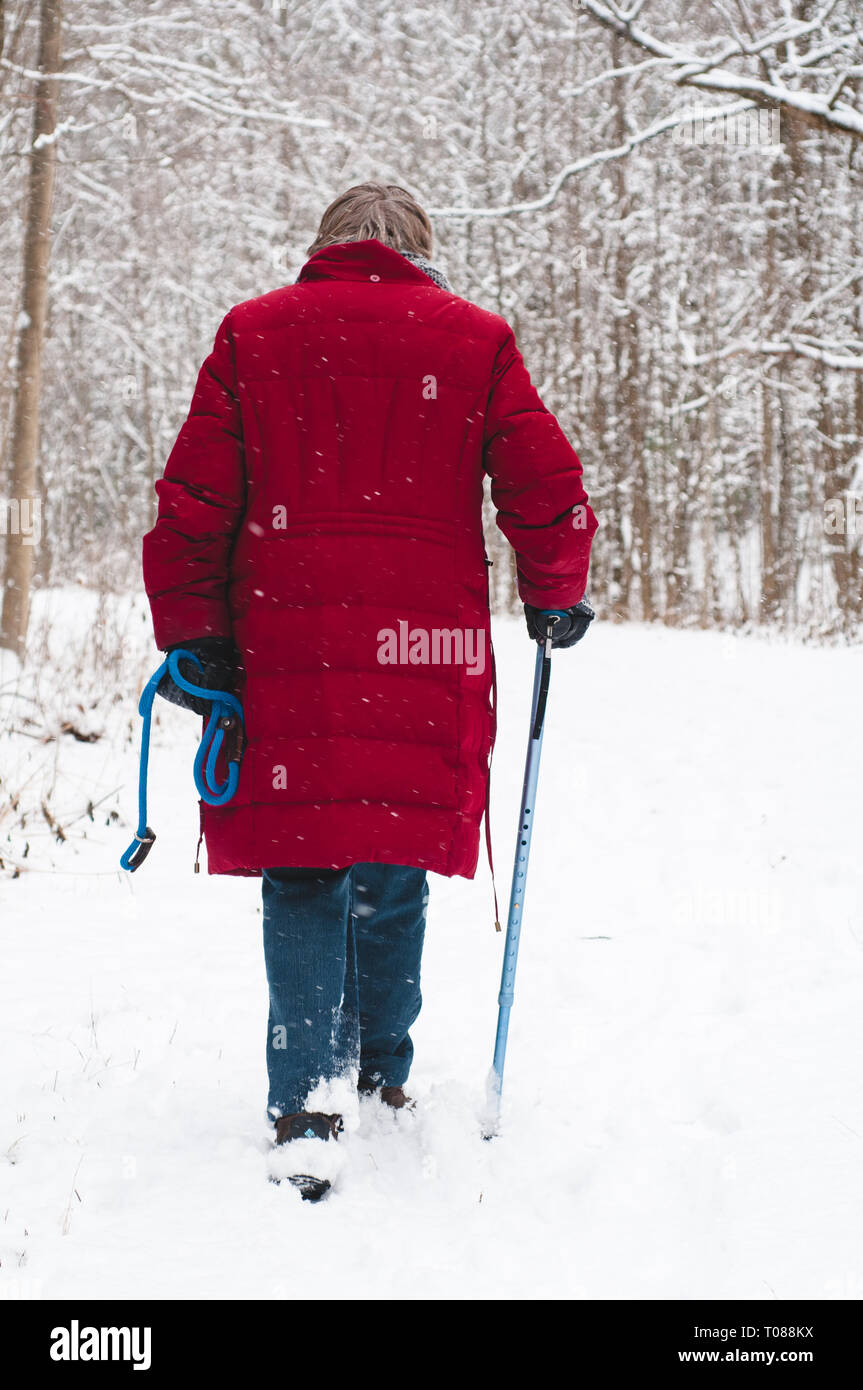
381,210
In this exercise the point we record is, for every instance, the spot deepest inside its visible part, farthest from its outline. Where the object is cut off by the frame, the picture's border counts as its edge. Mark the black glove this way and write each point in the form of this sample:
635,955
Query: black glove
220,661
571,628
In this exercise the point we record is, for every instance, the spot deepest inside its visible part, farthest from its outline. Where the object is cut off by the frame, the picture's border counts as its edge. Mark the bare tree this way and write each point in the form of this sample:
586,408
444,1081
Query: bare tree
18,570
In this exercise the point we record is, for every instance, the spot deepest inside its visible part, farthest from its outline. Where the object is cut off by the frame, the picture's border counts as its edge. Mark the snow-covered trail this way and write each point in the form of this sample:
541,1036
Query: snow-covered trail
684,1099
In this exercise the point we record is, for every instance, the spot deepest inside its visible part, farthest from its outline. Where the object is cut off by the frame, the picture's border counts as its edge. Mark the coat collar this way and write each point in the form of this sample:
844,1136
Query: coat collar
361,260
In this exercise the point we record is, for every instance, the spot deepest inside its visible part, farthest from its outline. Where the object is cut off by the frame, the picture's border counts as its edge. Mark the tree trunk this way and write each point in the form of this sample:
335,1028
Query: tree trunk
627,459
768,606
18,569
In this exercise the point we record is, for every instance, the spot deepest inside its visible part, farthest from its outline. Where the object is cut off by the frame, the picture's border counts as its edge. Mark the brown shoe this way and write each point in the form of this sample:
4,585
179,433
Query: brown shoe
308,1124
393,1096
299,1129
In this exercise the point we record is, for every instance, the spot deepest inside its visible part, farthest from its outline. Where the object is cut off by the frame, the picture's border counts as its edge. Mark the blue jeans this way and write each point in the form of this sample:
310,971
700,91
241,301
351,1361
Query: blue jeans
342,949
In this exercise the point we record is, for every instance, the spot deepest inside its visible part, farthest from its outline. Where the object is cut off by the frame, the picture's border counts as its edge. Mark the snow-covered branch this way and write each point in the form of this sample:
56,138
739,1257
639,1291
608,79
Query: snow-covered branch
711,73
791,345
591,161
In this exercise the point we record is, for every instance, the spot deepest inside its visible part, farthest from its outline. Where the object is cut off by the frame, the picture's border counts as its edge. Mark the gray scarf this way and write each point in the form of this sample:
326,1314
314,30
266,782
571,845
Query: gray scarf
431,271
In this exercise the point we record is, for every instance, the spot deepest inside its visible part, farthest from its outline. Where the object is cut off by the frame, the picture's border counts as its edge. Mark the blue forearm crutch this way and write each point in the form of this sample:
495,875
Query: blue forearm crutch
542,674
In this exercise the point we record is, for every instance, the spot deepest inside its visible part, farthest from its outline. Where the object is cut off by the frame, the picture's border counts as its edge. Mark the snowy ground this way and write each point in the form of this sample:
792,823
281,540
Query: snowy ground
684,1108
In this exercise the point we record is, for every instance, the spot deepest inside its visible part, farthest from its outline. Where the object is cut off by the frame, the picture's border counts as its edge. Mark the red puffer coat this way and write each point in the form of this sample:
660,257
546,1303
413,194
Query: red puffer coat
322,504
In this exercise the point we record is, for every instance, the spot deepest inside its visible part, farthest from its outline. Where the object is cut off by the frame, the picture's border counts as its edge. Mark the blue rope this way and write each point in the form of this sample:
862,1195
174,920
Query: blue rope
223,706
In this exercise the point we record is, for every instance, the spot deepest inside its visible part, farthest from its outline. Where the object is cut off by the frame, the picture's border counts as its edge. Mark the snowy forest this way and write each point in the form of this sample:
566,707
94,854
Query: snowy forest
663,199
